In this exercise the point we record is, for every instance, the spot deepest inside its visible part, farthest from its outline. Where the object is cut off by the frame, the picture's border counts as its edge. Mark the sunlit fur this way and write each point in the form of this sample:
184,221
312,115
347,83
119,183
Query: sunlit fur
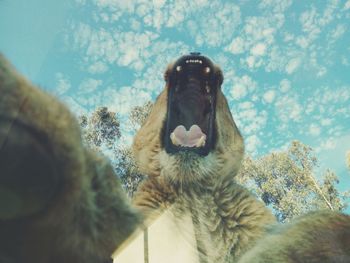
226,217
89,214
186,168
229,222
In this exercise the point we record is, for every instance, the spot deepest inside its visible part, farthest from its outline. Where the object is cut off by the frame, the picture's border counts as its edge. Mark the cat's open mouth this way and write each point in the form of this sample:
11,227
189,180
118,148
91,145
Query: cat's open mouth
190,121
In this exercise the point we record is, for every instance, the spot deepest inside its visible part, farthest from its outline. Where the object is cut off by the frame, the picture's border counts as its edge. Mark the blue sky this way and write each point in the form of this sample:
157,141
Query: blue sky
286,63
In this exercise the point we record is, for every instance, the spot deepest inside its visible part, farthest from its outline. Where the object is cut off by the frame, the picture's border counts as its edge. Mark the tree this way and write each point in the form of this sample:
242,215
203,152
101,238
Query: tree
101,131
286,182
126,166
127,170
139,114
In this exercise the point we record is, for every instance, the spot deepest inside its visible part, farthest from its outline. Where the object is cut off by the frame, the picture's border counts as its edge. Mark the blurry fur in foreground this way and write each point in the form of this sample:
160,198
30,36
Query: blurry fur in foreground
318,237
59,202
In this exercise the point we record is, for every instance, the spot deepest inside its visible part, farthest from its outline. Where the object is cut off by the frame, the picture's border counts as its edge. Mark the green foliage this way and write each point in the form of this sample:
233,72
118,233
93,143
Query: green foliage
102,128
127,170
139,114
101,131
286,182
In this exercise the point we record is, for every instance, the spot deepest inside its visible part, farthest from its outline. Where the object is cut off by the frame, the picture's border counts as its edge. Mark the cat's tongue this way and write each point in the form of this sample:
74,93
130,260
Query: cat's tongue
192,138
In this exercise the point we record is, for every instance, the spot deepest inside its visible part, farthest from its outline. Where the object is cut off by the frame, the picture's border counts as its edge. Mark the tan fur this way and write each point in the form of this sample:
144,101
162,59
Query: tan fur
229,222
152,160
317,237
227,218
84,214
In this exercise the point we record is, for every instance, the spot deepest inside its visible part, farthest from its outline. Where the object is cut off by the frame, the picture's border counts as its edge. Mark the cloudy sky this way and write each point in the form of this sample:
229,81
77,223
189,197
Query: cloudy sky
286,62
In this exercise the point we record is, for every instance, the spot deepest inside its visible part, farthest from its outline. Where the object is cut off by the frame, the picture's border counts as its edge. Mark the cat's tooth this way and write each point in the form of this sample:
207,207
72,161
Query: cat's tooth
173,139
201,141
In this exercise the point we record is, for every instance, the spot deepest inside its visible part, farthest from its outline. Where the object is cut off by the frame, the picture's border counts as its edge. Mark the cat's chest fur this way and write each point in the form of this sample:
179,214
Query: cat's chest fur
226,218
213,239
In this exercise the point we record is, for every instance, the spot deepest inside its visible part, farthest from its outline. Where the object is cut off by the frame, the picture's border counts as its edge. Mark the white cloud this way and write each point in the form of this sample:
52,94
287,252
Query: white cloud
190,16
236,46
245,105
250,61
127,49
285,85
326,121
330,143
302,42
338,32
288,109
314,129
347,157
253,62
269,96
125,6
105,17
158,3
248,114
313,23
238,91
325,145
124,99
81,35
276,60
63,84
89,85
81,2
259,49
251,144
195,18
333,154
347,5
330,12
218,29
345,61
277,6
151,78
293,65
321,72
97,67
130,55
133,48
242,86
329,106
120,100
258,36
309,20
135,25
76,108
339,95
250,119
